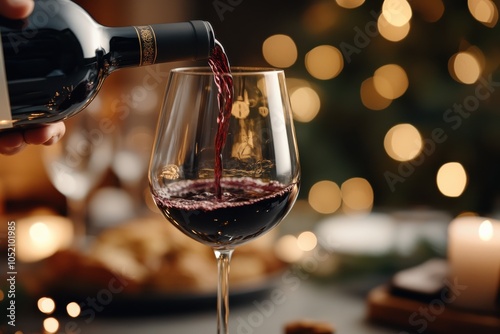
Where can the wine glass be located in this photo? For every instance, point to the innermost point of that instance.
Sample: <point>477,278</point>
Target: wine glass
<point>77,163</point>
<point>133,140</point>
<point>224,181</point>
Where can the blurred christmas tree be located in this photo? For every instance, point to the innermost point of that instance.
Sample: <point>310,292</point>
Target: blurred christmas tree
<point>442,85</point>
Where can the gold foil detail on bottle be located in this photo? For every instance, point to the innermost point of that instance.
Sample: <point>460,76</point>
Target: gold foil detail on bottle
<point>147,43</point>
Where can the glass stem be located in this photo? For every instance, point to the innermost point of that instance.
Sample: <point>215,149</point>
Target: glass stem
<point>223,257</point>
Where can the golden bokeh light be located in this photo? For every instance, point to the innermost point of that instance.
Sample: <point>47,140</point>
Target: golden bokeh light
<point>51,325</point>
<point>324,62</point>
<point>280,51</point>
<point>465,67</point>
<point>307,241</point>
<point>46,305</point>
<point>478,55</point>
<point>390,32</point>
<point>397,12</point>
<point>73,309</point>
<point>305,104</point>
<point>287,249</point>
<point>357,195</point>
<point>403,142</point>
<point>390,81</point>
<point>370,98</point>
<point>40,233</point>
<point>484,11</point>
<point>41,236</point>
<point>429,10</point>
<point>451,179</point>
<point>325,197</point>
<point>350,4</point>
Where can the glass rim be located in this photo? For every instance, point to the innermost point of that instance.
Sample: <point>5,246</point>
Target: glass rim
<point>235,70</point>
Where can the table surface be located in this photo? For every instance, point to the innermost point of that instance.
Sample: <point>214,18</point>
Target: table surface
<point>340,304</point>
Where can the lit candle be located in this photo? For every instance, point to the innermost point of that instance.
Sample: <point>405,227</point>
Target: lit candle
<point>474,258</point>
<point>38,237</point>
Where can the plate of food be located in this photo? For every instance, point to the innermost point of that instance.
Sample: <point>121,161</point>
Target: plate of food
<point>146,266</point>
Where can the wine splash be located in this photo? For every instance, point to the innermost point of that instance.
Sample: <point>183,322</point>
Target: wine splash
<point>221,69</point>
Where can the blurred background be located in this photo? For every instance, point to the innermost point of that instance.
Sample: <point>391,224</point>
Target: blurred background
<point>393,110</point>
<point>395,106</point>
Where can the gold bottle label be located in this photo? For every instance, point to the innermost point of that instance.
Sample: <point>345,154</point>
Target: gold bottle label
<point>147,43</point>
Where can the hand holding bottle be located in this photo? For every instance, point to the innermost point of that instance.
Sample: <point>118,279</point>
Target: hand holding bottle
<point>53,73</point>
<point>13,141</point>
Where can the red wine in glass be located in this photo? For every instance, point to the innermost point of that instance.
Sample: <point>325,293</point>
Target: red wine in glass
<point>247,209</point>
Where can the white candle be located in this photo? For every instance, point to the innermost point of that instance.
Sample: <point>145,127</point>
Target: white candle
<point>474,258</point>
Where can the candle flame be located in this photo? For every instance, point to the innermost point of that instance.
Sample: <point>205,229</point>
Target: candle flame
<point>486,231</point>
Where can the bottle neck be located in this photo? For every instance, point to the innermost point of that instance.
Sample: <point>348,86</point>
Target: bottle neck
<point>159,43</point>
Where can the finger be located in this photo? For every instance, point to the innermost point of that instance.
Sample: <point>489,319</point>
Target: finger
<point>45,134</point>
<point>11,142</point>
<point>16,9</point>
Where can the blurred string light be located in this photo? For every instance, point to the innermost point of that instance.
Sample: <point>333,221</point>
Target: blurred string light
<point>51,325</point>
<point>292,249</point>
<point>390,32</point>
<point>287,249</point>
<point>304,99</point>
<point>403,142</point>
<point>280,51</point>
<point>353,196</point>
<point>73,309</point>
<point>484,11</point>
<point>371,98</point>
<point>325,197</point>
<point>451,179</point>
<point>324,62</point>
<point>307,241</point>
<point>478,55</point>
<point>390,81</point>
<point>46,305</point>
<point>305,104</point>
<point>350,4</point>
<point>397,12</point>
<point>357,195</point>
<point>467,66</point>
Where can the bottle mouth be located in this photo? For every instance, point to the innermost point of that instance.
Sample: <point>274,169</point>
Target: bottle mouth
<point>205,37</point>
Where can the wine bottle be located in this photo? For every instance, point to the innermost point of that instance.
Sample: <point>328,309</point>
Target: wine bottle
<point>53,63</point>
